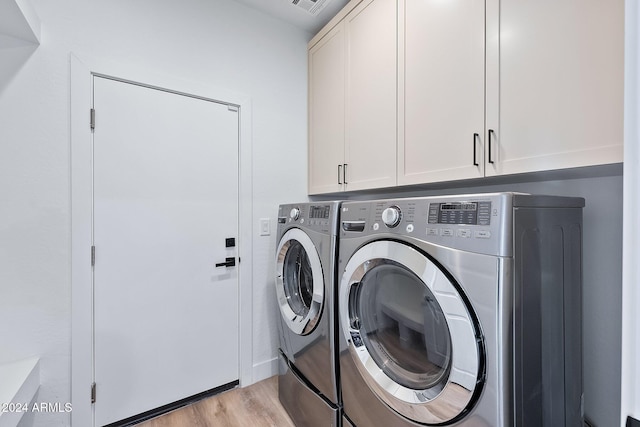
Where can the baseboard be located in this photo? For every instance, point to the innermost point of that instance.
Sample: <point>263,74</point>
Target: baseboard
<point>264,370</point>
<point>137,419</point>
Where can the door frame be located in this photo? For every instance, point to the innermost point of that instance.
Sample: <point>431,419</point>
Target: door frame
<point>82,71</point>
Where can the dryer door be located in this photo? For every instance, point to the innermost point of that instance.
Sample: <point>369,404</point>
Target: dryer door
<point>414,338</point>
<point>299,281</point>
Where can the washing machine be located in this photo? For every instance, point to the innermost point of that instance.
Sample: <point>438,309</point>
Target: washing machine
<point>306,297</point>
<point>461,310</point>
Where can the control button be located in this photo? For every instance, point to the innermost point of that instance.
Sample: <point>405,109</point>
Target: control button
<point>409,228</point>
<point>391,216</point>
<point>433,213</point>
<point>463,232</point>
<point>446,232</point>
<point>376,226</point>
<point>294,214</point>
<point>482,234</point>
<point>432,232</point>
<point>484,213</point>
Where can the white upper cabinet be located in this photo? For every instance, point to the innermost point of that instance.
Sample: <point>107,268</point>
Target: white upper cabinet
<point>441,91</point>
<point>554,84</point>
<point>352,100</point>
<point>463,89</point>
<point>327,113</point>
<point>370,144</point>
<point>18,20</point>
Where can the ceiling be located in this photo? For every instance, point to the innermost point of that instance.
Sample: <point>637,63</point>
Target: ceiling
<point>296,15</point>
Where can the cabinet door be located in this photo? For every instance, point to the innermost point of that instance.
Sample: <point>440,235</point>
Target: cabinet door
<point>327,112</point>
<point>554,84</point>
<point>370,148</point>
<point>441,97</point>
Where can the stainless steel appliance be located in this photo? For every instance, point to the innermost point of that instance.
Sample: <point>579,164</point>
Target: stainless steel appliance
<point>461,310</point>
<point>305,289</point>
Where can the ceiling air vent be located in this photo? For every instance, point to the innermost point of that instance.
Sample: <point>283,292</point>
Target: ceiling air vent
<point>312,6</point>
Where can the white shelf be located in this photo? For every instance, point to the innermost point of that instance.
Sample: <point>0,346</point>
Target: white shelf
<point>19,20</point>
<point>19,382</point>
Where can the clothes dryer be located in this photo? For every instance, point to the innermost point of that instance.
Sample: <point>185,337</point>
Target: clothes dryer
<point>461,310</point>
<point>305,289</point>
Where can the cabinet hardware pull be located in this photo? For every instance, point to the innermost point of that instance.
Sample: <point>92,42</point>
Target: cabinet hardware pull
<point>489,142</point>
<point>339,174</point>
<point>475,161</point>
<point>344,176</point>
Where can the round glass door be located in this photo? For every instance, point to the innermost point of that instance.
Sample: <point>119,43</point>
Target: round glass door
<point>299,281</point>
<point>411,334</point>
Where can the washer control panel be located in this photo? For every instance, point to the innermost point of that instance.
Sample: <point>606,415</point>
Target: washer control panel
<point>467,213</point>
<point>475,223</point>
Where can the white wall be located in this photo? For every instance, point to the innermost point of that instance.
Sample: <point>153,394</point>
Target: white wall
<point>223,44</point>
<point>217,43</point>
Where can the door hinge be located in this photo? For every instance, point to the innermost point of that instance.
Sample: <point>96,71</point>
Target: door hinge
<point>93,392</point>
<point>92,120</point>
<point>93,256</point>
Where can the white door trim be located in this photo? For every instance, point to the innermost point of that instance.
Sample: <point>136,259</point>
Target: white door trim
<point>630,352</point>
<point>82,72</point>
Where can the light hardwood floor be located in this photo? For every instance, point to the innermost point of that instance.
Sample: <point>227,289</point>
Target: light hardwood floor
<point>253,406</point>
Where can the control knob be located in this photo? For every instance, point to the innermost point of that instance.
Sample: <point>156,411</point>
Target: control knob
<point>391,216</point>
<point>294,214</point>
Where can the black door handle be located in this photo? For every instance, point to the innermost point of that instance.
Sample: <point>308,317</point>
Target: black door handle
<point>229,262</point>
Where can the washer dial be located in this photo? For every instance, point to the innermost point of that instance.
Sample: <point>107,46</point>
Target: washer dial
<point>391,216</point>
<point>294,214</point>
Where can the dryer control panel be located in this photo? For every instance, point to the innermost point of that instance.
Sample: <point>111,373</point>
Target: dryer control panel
<point>318,217</point>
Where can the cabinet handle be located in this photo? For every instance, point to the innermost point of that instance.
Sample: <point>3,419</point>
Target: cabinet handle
<point>475,137</point>
<point>339,174</point>
<point>489,142</point>
<point>344,176</point>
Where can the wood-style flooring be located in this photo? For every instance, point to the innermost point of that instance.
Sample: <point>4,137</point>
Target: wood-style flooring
<point>253,406</point>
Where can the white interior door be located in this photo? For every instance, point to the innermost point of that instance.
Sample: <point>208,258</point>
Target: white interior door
<point>165,199</point>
